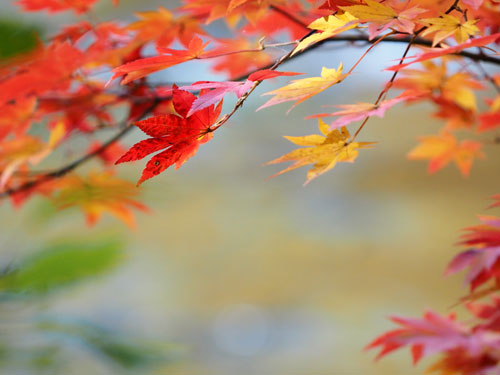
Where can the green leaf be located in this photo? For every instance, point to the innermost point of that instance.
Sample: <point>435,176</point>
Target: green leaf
<point>60,266</point>
<point>128,352</point>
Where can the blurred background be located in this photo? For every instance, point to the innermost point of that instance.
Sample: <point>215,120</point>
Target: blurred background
<point>232,272</point>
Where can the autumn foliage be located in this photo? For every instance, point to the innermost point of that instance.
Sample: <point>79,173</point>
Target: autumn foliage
<point>91,77</point>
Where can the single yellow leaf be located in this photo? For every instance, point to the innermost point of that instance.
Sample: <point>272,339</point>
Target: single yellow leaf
<point>302,89</point>
<point>328,26</point>
<point>326,152</point>
<point>372,11</point>
<point>448,25</point>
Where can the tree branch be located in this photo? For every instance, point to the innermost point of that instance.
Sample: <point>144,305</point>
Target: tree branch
<point>64,170</point>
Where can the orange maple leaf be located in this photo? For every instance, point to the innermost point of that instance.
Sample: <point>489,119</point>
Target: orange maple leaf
<point>143,67</point>
<point>99,193</point>
<point>442,149</point>
<point>236,63</point>
<point>163,27</point>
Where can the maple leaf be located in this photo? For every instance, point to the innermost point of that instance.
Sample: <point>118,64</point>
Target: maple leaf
<point>162,27</point>
<point>485,311</point>
<point>215,91</point>
<point>76,108</point>
<point>179,136</point>
<point>491,119</point>
<point>372,11</point>
<point>432,334</point>
<point>325,152</point>
<point>231,57</point>
<point>72,32</point>
<point>99,193</point>
<point>482,258</point>
<point>302,89</point>
<point>51,70</point>
<point>456,116</point>
<point>334,5</point>
<point>425,80</point>
<point>108,154</point>
<point>52,6</point>
<point>439,52</point>
<point>143,67</point>
<point>383,17</point>
<point>328,26</point>
<point>448,25</point>
<point>26,149</point>
<point>441,149</point>
<point>359,111</point>
<point>434,79</point>
<point>16,116</point>
<point>276,22</point>
<point>231,10</point>
<point>459,88</point>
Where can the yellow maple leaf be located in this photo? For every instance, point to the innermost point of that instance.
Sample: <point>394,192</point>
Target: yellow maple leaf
<point>448,25</point>
<point>434,80</point>
<point>328,26</point>
<point>372,11</point>
<point>460,88</point>
<point>326,151</point>
<point>302,89</point>
<point>383,17</point>
<point>444,148</point>
<point>99,193</point>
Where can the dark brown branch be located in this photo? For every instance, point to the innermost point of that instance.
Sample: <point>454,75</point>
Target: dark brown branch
<point>417,42</point>
<point>60,172</point>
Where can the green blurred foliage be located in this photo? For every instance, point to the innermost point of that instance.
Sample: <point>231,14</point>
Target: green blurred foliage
<point>123,350</point>
<point>32,342</point>
<point>61,265</point>
<point>17,38</point>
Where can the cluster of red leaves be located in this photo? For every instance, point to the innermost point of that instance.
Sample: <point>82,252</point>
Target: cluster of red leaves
<point>59,84</point>
<point>466,348</point>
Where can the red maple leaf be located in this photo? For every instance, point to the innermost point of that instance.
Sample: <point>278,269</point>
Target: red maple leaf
<point>179,136</point>
<point>52,6</point>
<point>482,258</point>
<point>51,70</point>
<point>143,67</point>
<point>432,334</point>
